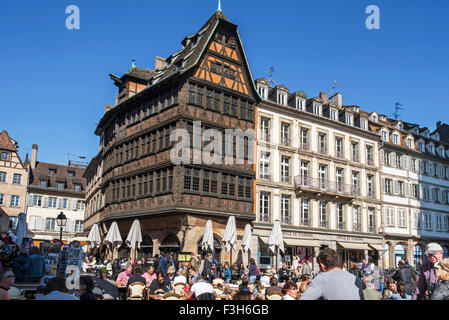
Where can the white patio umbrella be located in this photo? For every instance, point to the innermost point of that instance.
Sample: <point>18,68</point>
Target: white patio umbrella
<point>276,241</point>
<point>134,236</point>
<point>208,237</point>
<point>230,235</point>
<point>94,237</point>
<point>113,238</point>
<point>247,238</point>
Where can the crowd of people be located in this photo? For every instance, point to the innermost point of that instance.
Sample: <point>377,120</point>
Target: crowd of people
<point>333,282</point>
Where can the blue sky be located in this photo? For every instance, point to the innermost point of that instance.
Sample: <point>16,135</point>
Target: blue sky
<point>54,82</point>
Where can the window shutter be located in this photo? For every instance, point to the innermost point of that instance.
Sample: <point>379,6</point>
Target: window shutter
<point>40,223</point>
<point>74,204</point>
<point>406,189</point>
<point>395,187</point>
<point>45,202</point>
<point>72,226</point>
<point>59,203</point>
<point>29,200</point>
<point>382,157</point>
<point>32,224</point>
<point>383,185</point>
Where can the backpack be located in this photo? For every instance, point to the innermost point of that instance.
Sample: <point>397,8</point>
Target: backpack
<point>440,291</point>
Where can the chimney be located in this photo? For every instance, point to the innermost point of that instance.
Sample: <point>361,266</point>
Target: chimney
<point>323,97</point>
<point>33,156</point>
<point>107,108</point>
<point>438,124</point>
<point>159,63</point>
<point>337,99</point>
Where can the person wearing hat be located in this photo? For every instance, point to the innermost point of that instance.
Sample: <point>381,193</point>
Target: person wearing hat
<point>428,275</point>
<point>170,277</point>
<point>441,290</point>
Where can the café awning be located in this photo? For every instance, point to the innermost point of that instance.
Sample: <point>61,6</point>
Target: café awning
<point>302,243</point>
<point>354,246</point>
<point>377,247</point>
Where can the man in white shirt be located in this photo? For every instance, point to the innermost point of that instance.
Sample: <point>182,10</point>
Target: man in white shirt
<point>201,287</point>
<point>181,277</point>
<point>265,279</point>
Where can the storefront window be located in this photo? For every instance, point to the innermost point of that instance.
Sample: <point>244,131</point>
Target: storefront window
<point>417,255</point>
<point>265,256</point>
<point>399,253</point>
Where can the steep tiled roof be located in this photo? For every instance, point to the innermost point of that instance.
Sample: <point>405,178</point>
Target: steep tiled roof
<point>42,172</point>
<point>6,142</point>
<point>140,73</point>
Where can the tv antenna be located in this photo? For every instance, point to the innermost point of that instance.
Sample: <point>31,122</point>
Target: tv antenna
<point>76,163</point>
<point>272,72</point>
<point>397,107</point>
<point>334,86</point>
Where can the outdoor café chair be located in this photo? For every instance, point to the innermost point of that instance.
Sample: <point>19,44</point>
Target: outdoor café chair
<point>274,296</point>
<point>171,296</point>
<point>136,291</point>
<point>179,287</point>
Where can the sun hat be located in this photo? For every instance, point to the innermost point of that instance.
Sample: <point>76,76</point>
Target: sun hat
<point>171,269</point>
<point>433,248</point>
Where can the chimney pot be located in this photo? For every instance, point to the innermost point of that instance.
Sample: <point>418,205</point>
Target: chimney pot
<point>323,97</point>
<point>438,124</point>
<point>33,156</point>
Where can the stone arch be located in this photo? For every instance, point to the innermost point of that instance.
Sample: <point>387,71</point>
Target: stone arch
<point>218,247</point>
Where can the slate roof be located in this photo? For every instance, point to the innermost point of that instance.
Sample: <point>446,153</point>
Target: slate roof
<point>41,172</point>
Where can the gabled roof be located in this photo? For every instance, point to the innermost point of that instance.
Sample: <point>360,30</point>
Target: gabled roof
<point>41,172</point>
<point>6,142</point>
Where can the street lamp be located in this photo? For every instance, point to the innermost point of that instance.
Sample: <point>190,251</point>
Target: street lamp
<point>61,220</point>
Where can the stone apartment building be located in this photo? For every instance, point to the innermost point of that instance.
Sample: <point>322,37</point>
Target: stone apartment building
<point>13,183</point>
<point>55,188</point>
<point>207,80</point>
<point>318,174</point>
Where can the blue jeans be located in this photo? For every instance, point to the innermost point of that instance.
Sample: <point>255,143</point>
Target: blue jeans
<point>252,279</point>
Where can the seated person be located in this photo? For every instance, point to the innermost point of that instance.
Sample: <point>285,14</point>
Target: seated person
<point>181,277</point>
<point>202,290</point>
<point>274,287</point>
<point>136,275</point>
<point>158,285</point>
<point>150,275</point>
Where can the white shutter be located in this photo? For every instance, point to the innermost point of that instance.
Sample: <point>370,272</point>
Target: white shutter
<point>33,223</point>
<point>72,226</point>
<point>40,223</point>
<point>383,185</point>
<point>406,189</point>
<point>59,203</point>
<point>45,201</point>
<point>74,204</point>
<point>382,157</point>
<point>395,187</point>
<point>29,200</point>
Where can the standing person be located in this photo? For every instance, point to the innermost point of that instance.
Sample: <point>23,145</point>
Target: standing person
<point>365,268</point>
<point>234,272</point>
<point>295,262</point>
<point>156,262</point>
<point>200,261</point>
<point>290,291</point>
<point>6,281</point>
<point>441,290</point>
<point>355,270</point>
<point>20,265</point>
<point>207,269</point>
<point>56,289</point>
<point>150,275</point>
<point>332,283</point>
<point>427,276</point>
<point>193,261</point>
<point>162,264</point>
<point>227,272</point>
<point>306,269</point>
<point>115,269</point>
<point>253,271</point>
<point>401,293</point>
<point>405,276</point>
<point>36,270</point>
<point>87,285</point>
<point>369,292</point>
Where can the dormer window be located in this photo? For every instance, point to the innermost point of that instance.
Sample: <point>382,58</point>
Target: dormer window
<point>384,135</point>
<point>51,171</point>
<point>71,173</point>
<point>436,137</point>
<point>395,138</point>
<point>409,142</point>
<point>282,98</point>
<point>421,146</point>
<point>262,91</point>
<point>374,117</point>
<point>43,184</point>
<point>349,119</point>
<point>317,109</point>
<point>431,148</point>
<point>333,114</point>
<point>300,104</point>
<point>364,124</point>
<point>440,151</point>
<point>77,187</point>
<point>4,156</point>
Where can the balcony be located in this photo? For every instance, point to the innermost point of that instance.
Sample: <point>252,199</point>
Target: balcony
<point>372,229</point>
<point>355,157</point>
<point>324,224</point>
<point>356,227</point>
<point>322,151</point>
<point>304,146</point>
<point>332,188</point>
<point>305,222</point>
<point>285,179</point>
<point>265,136</point>
<point>285,220</point>
<point>370,162</point>
<point>285,141</point>
<point>371,194</point>
<point>341,225</point>
<point>339,155</point>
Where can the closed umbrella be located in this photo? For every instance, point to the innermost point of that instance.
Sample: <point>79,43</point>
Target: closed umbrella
<point>94,237</point>
<point>113,238</point>
<point>276,241</point>
<point>21,229</point>
<point>208,237</point>
<point>247,238</point>
<point>134,236</point>
<point>230,235</point>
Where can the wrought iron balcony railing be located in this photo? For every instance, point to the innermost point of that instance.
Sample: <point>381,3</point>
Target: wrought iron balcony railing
<point>356,227</point>
<point>285,220</point>
<point>370,162</point>
<point>265,136</point>
<point>304,146</point>
<point>285,141</point>
<point>325,186</point>
<point>339,154</point>
<point>324,223</point>
<point>305,222</point>
<point>341,225</point>
<point>372,229</point>
<point>285,179</point>
<point>322,151</point>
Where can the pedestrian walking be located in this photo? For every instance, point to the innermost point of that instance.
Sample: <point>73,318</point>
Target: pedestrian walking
<point>427,276</point>
<point>332,283</point>
<point>253,270</point>
<point>404,275</point>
